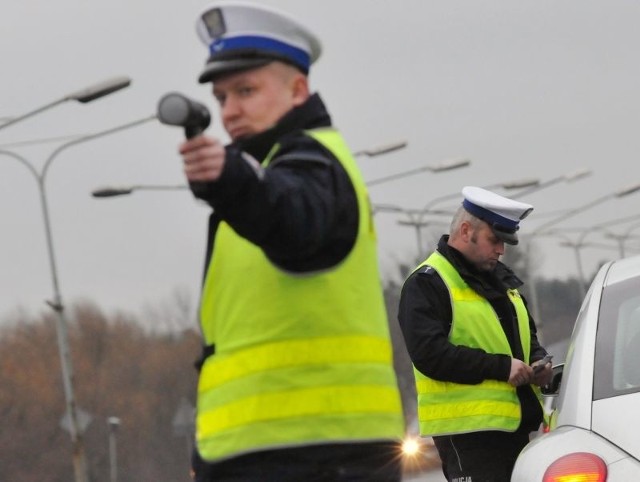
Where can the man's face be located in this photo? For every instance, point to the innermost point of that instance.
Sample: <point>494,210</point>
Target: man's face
<point>253,101</point>
<point>484,248</point>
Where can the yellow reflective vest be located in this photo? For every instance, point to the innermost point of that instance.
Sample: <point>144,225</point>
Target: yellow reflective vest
<point>446,408</point>
<point>299,358</point>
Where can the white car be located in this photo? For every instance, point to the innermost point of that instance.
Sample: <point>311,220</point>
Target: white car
<point>595,396</point>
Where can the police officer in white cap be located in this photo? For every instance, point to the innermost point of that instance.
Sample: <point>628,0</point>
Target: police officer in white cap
<point>473,343</point>
<point>296,380</point>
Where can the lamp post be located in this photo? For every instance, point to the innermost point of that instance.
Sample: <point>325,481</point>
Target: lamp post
<point>566,242</point>
<point>580,242</point>
<point>571,212</point>
<point>569,177</point>
<point>43,140</point>
<point>381,149</point>
<point>83,96</point>
<point>112,191</point>
<point>56,304</point>
<point>113,424</point>
<point>416,215</point>
<point>412,214</point>
<point>623,238</point>
<point>576,246</point>
<point>418,224</point>
<point>184,423</point>
<point>440,167</point>
<point>619,238</point>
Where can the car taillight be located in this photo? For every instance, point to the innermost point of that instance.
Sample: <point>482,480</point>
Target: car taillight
<point>578,467</point>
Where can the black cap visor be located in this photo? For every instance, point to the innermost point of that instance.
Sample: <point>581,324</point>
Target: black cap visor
<point>509,237</point>
<point>217,68</point>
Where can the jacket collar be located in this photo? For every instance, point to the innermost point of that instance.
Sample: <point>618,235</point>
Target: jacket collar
<point>310,115</point>
<point>501,278</point>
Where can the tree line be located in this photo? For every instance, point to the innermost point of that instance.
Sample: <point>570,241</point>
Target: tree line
<point>120,370</point>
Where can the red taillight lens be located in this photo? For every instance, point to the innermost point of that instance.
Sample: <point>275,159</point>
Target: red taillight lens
<point>578,467</point>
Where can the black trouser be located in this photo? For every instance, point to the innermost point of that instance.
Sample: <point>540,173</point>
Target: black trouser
<point>353,462</point>
<point>480,456</point>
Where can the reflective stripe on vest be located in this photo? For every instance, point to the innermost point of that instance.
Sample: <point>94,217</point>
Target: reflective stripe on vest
<point>300,358</point>
<point>450,408</point>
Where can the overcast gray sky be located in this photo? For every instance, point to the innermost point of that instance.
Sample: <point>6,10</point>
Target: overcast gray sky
<point>526,89</point>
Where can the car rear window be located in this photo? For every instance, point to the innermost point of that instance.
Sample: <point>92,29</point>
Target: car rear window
<point>617,357</point>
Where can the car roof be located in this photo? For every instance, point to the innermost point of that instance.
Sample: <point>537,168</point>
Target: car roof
<point>622,270</point>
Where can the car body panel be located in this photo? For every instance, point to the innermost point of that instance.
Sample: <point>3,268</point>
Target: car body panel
<point>597,407</point>
<point>576,409</point>
<point>617,419</point>
<point>541,452</point>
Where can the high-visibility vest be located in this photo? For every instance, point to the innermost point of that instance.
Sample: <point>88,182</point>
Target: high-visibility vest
<point>446,408</point>
<point>299,358</point>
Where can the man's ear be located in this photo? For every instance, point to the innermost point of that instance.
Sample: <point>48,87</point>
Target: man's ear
<point>300,89</point>
<point>466,231</point>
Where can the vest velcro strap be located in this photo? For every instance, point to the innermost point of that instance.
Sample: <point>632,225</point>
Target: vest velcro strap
<point>207,351</point>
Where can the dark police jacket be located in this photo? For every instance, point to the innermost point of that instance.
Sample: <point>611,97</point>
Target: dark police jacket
<point>302,210</point>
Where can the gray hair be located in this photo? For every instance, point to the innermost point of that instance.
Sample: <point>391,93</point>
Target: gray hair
<point>461,216</point>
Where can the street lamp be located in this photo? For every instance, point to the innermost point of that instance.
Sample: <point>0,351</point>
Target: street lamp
<point>623,238</point>
<point>576,246</point>
<point>569,177</point>
<point>42,140</point>
<point>580,242</point>
<point>412,214</point>
<point>572,212</point>
<point>112,191</point>
<point>619,238</point>
<point>540,230</point>
<point>567,242</point>
<point>113,423</point>
<point>418,224</point>
<point>79,462</point>
<point>440,167</point>
<point>83,96</point>
<point>381,149</point>
<point>184,423</point>
<point>414,218</point>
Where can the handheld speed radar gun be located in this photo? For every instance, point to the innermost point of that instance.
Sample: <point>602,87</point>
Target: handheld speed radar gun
<point>178,110</point>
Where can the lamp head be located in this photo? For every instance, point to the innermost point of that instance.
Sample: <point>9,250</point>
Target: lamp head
<point>100,90</point>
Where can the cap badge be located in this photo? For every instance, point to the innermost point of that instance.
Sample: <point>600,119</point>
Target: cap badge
<point>217,45</point>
